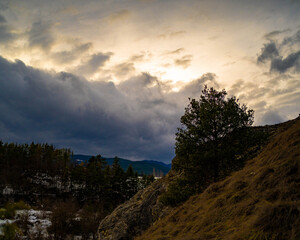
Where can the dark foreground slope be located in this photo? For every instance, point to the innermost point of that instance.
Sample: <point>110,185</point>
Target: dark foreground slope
<point>261,201</point>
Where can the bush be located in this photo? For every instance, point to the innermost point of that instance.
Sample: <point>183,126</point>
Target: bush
<point>178,191</point>
<point>63,220</point>
<point>8,212</point>
<point>10,232</point>
<point>2,213</point>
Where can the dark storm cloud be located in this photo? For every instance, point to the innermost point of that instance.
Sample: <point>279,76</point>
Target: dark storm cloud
<point>70,56</point>
<point>93,63</point>
<point>135,119</point>
<point>274,53</point>
<point>282,65</point>
<point>292,39</point>
<point>268,52</point>
<point>144,88</point>
<point>41,35</point>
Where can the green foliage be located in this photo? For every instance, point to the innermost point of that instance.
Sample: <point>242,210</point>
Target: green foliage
<point>178,191</point>
<point>206,123</point>
<point>85,192</point>
<point>17,160</point>
<point>10,232</point>
<point>8,212</point>
<point>147,179</point>
<point>210,143</point>
<point>116,170</point>
<point>46,171</point>
<point>130,172</point>
<point>20,205</point>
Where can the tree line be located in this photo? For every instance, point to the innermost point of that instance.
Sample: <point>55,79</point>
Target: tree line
<point>91,181</point>
<point>89,190</point>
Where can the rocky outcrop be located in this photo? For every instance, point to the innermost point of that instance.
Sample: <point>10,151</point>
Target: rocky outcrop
<point>135,215</point>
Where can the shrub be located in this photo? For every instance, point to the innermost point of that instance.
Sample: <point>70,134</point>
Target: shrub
<point>10,232</point>
<point>10,208</point>
<point>178,191</point>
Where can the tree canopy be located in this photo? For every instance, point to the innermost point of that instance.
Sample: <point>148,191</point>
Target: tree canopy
<point>207,122</point>
<point>210,139</point>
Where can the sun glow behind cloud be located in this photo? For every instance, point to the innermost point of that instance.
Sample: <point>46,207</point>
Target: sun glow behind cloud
<point>177,74</point>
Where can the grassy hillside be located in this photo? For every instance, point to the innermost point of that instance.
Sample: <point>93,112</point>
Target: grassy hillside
<point>261,201</point>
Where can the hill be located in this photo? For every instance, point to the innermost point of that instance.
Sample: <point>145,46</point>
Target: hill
<point>260,201</point>
<point>142,167</point>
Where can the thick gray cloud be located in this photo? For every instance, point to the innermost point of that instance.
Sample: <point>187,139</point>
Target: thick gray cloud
<point>41,35</point>
<point>282,65</point>
<point>134,120</point>
<point>92,63</point>
<point>137,118</point>
<point>283,56</point>
<point>292,39</point>
<point>268,52</point>
<point>195,87</point>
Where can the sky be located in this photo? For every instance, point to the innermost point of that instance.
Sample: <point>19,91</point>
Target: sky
<point>113,77</point>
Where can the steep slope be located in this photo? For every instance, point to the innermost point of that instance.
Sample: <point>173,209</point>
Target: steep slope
<point>261,201</point>
<point>136,215</point>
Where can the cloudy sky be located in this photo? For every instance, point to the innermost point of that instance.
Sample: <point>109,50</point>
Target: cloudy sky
<point>114,76</point>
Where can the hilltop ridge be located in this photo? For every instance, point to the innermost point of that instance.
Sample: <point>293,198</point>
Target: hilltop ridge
<point>260,201</point>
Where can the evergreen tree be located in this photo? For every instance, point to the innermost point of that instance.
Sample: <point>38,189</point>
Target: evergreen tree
<point>130,172</point>
<point>208,143</point>
<point>206,123</point>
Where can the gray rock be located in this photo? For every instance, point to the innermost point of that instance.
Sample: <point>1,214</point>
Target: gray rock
<point>136,215</point>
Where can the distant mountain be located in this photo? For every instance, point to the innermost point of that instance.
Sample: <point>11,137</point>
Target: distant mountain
<point>142,167</point>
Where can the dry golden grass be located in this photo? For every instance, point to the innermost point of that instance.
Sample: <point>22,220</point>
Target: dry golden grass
<point>259,202</point>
